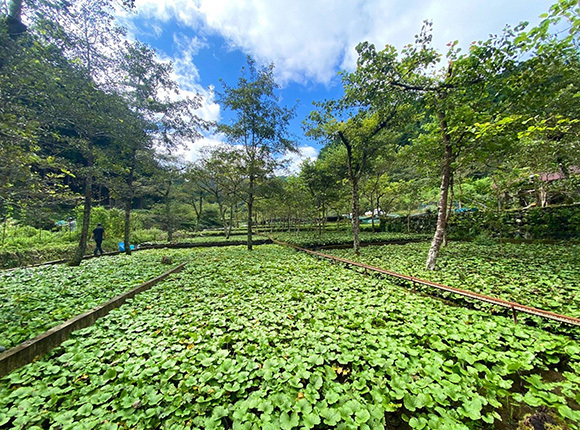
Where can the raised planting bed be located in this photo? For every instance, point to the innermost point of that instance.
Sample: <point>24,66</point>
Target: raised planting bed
<point>543,276</point>
<point>275,339</point>
<point>32,349</point>
<point>312,240</point>
<point>33,300</point>
<point>206,242</point>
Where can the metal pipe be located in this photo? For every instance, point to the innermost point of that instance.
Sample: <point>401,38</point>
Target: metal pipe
<point>514,306</point>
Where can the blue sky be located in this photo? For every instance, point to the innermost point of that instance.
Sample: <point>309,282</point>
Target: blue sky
<point>309,41</point>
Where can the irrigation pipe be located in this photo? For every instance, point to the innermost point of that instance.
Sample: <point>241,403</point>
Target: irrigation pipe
<point>514,306</point>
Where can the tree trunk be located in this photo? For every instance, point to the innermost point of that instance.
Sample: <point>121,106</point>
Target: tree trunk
<point>449,208</point>
<point>4,228</point>
<point>168,213</point>
<point>223,217</point>
<point>372,214</point>
<point>198,212</point>
<point>250,209</point>
<point>128,203</point>
<point>80,251</point>
<point>355,217</point>
<point>14,19</point>
<point>542,197</point>
<point>319,220</point>
<point>377,210</point>
<point>444,190</point>
<point>229,231</point>
<point>127,232</point>
<point>353,178</point>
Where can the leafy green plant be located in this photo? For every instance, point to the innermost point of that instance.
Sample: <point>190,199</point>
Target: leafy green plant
<point>311,239</point>
<point>543,276</point>
<point>36,299</point>
<point>275,339</point>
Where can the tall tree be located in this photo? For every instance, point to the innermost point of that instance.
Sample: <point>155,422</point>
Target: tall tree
<point>85,32</point>
<point>321,180</point>
<point>361,139</point>
<point>218,174</point>
<point>456,96</point>
<point>260,126</point>
<point>165,118</point>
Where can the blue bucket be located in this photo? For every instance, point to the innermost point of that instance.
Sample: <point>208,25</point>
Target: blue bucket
<point>122,247</point>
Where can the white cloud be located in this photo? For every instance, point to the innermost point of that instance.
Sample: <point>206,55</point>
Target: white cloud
<point>294,160</point>
<point>194,150</point>
<point>291,160</point>
<point>186,74</point>
<point>309,40</point>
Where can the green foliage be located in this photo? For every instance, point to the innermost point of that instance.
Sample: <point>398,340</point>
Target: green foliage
<point>483,238</point>
<point>113,220</point>
<point>554,222</point>
<point>310,239</point>
<point>542,276</point>
<point>16,256</point>
<point>149,235</point>
<point>210,240</point>
<point>36,299</point>
<point>278,340</point>
<point>260,123</point>
<point>26,245</point>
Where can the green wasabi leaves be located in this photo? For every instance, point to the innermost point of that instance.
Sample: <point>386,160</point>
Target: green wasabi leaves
<point>226,344</point>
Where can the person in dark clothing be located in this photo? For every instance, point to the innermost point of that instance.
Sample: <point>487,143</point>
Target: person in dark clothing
<point>98,235</point>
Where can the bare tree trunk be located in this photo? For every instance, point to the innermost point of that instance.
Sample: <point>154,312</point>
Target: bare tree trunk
<point>223,217</point>
<point>168,219</point>
<point>127,231</point>
<point>354,178</point>
<point>80,251</point>
<point>449,208</point>
<point>320,212</point>
<point>378,210</point>
<point>198,213</point>
<point>229,230</point>
<point>542,197</point>
<point>4,228</point>
<point>250,211</point>
<point>444,190</point>
<point>372,213</point>
<point>355,217</point>
<point>128,203</point>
